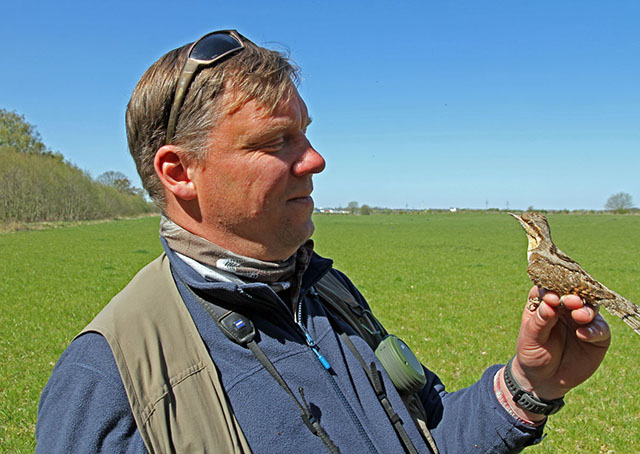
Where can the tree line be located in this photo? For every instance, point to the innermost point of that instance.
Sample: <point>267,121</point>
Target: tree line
<point>620,203</point>
<point>37,184</point>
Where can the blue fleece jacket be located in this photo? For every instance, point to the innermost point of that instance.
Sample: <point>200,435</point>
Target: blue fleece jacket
<point>84,406</point>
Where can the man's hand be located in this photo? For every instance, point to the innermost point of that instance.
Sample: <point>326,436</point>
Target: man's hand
<point>561,344</point>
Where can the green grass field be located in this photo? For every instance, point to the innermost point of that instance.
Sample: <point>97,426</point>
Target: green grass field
<point>451,285</point>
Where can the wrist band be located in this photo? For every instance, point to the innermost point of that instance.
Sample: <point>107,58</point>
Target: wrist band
<point>509,407</point>
<point>526,399</point>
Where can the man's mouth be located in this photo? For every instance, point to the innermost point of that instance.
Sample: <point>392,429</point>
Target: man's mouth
<point>304,199</point>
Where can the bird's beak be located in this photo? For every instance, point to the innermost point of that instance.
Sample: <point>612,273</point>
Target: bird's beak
<point>531,234</point>
<point>521,221</point>
<point>517,217</point>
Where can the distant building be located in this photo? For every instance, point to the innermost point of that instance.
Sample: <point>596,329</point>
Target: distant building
<point>330,211</point>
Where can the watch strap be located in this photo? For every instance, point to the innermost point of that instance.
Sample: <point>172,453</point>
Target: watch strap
<point>526,399</point>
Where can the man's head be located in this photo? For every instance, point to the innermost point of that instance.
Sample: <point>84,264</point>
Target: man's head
<point>254,73</point>
<point>238,168</point>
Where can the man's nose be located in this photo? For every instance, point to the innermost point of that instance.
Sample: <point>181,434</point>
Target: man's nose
<point>309,163</point>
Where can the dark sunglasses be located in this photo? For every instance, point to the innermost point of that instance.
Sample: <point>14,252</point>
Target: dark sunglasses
<point>206,51</point>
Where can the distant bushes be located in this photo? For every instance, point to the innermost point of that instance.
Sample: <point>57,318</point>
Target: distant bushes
<point>37,188</point>
<point>38,185</point>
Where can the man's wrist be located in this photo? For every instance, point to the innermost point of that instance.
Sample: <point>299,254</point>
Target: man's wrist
<point>505,398</point>
<point>526,398</point>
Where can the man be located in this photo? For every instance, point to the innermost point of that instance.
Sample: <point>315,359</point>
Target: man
<point>218,133</point>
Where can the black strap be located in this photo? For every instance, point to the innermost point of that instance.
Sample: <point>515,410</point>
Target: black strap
<point>239,328</point>
<point>342,304</point>
<point>340,300</point>
<point>375,379</point>
<point>305,411</point>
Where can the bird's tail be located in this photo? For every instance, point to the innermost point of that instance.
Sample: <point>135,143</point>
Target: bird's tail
<point>629,312</point>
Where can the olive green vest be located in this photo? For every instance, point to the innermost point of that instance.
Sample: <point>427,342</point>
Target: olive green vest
<point>172,385</point>
<point>174,390</point>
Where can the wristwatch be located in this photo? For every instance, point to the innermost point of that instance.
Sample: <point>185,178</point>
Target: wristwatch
<point>526,399</point>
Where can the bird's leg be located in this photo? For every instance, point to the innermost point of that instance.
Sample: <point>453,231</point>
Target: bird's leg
<point>533,303</point>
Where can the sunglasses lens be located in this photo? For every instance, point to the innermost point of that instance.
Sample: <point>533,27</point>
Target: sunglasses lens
<point>205,52</point>
<point>214,45</point>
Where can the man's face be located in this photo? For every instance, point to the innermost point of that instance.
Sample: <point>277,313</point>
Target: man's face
<point>254,186</point>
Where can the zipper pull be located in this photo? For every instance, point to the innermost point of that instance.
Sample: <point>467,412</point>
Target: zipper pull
<point>314,347</point>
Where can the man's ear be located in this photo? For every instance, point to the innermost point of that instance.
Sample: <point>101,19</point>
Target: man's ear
<point>173,172</point>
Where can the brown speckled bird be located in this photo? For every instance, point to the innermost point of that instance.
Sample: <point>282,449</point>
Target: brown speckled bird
<point>552,269</point>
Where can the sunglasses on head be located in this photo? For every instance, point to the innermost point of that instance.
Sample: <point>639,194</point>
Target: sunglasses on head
<point>206,51</point>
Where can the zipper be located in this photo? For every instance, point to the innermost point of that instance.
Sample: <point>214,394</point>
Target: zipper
<point>316,350</point>
<point>332,380</point>
<point>297,323</point>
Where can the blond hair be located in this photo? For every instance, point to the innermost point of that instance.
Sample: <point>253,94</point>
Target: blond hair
<point>255,73</point>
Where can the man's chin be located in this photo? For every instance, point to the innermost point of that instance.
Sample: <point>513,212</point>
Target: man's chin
<point>297,237</point>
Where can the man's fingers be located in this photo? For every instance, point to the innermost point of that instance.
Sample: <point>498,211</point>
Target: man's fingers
<point>583,315</point>
<point>542,309</point>
<point>572,302</point>
<point>568,301</point>
<point>551,298</point>
<point>542,313</point>
<point>546,313</point>
<point>596,332</point>
<point>539,324</point>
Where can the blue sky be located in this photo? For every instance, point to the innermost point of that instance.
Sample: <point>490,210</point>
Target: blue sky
<point>417,103</point>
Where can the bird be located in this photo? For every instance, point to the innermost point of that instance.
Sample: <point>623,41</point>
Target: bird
<point>552,269</point>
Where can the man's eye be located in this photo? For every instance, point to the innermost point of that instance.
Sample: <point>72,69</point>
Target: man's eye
<point>275,145</point>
